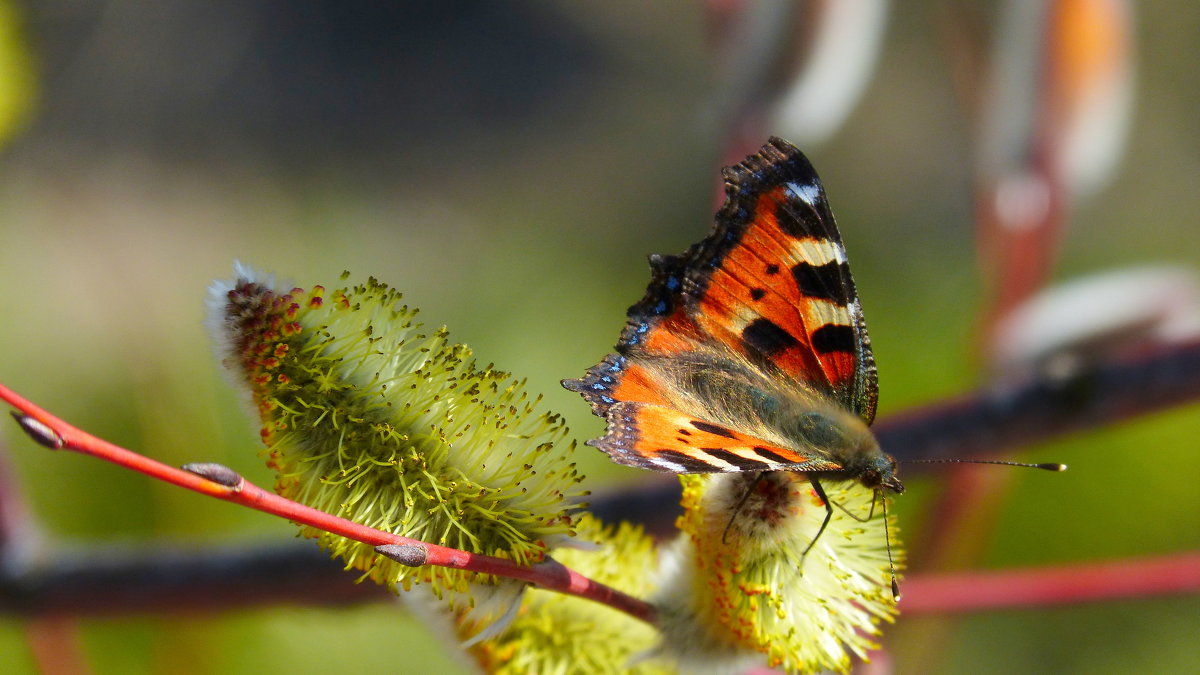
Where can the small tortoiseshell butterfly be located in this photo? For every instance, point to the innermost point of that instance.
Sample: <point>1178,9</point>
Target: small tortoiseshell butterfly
<point>749,351</point>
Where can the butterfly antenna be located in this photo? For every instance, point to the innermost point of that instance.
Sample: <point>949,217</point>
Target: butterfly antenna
<point>1050,466</point>
<point>741,502</point>
<point>887,538</point>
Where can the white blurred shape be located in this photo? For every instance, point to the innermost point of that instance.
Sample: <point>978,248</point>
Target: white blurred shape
<point>1098,314</point>
<point>1022,201</point>
<point>1010,104</point>
<point>840,53</point>
<point>1096,66</point>
<point>1062,82</point>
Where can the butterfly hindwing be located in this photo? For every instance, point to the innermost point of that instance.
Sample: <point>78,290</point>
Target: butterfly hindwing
<point>657,325</point>
<point>616,379</point>
<point>663,439</point>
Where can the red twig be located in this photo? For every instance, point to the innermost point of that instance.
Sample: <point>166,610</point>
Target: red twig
<point>1047,586</point>
<point>114,582</point>
<point>223,483</point>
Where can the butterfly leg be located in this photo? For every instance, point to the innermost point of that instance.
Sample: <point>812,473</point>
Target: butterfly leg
<point>828,511</point>
<point>860,518</point>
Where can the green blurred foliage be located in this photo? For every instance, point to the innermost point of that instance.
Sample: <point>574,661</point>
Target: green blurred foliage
<point>528,237</point>
<point>18,88</point>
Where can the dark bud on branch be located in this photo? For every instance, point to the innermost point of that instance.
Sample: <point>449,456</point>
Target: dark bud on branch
<point>39,431</point>
<point>405,554</point>
<point>217,473</point>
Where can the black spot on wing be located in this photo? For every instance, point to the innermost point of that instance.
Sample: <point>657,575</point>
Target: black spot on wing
<point>825,282</point>
<point>742,463</point>
<point>766,337</point>
<point>757,293</point>
<point>691,464</point>
<point>834,337</point>
<point>770,456</point>
<point>779,462</point>
<point>804,211</point>
<point>775,165</point>
<point>712,429</point>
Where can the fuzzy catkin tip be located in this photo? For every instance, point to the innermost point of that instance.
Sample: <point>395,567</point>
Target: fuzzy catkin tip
<point>746,586</point>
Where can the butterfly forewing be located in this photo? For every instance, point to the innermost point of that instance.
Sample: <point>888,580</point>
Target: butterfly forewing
<point>773,280</point>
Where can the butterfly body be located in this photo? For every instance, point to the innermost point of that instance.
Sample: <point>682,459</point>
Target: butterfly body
<point>749,351</point>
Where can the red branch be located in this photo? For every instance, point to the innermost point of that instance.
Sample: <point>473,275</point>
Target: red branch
<point>1046,586</point>
<point>231,487</point>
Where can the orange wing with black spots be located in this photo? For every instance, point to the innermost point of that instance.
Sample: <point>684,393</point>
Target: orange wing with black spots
<point>659,438</point>
<point>767,294</point>
<point>772,280</point>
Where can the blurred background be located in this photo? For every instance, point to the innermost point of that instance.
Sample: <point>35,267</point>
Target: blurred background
<point>509,166</point>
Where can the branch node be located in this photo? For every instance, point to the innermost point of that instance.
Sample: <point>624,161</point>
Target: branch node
<point>217,473</point>
<point>412,555</point>
<point>38,431</point>
<point>554,572</point>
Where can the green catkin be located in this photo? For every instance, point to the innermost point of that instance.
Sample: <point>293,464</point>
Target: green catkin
<point>368,416</point>
<point>556,633</point>
<point>749,588</point>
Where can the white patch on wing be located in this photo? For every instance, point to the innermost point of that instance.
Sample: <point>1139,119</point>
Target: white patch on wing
<point>667,464</point>
<point>719,463</point>
<point>743,317</point>
<point>809,193</point>
<point>827,312</point>
<point>818,252</point>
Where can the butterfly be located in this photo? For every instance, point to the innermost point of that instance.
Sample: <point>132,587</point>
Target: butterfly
<point>749,351</point>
